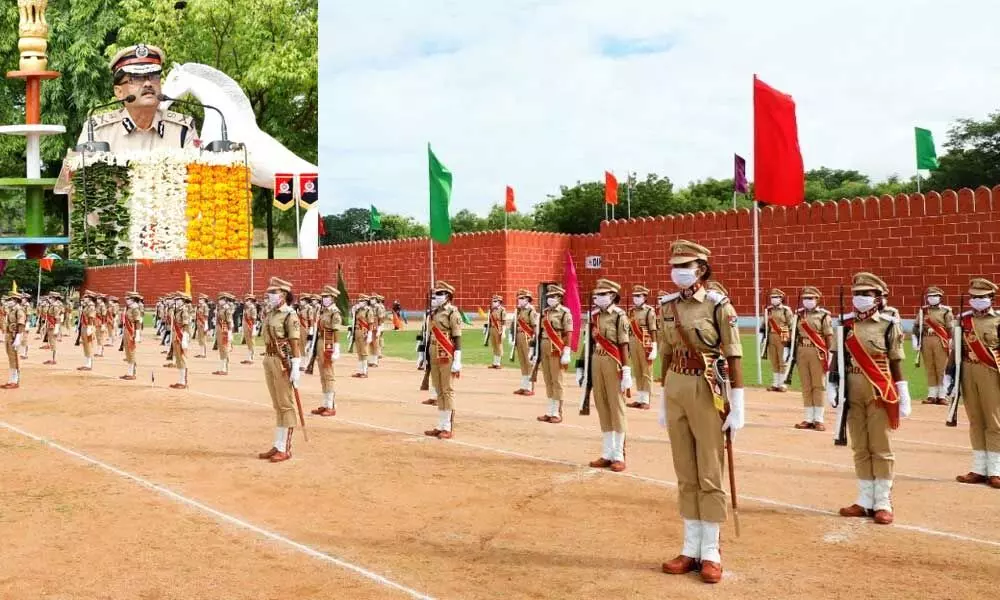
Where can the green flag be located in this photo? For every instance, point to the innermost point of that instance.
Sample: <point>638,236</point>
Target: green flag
<point>375,220</point>
<point>342,302</point>
<point>465,317</point>
<point>926,155</point>
<point>440,197</point>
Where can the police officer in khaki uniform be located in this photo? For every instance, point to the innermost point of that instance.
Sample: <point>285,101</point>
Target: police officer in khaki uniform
<point>132,331</point>
<point>700,333</point>
<point>224,330</point>
<point>525,321</point>
<point>364,332</point>
<point>201,325</point>
<point>497,321</point>
<point>55,317</point>
<point>813,342</point>
<point>88,329</point>
<point>249,326</point>
<point>328,338</point>
<point>612,376</point>
<point>980,381</point>
<point>557,327</point>
<point>42,310</point>
<point>876,391</point>
<point>644,347</point>
<point>778,320</point>
<point>140,125</point>
<point>181,336</point>
<point>932,340</point>
<point>15,330</point>
<point>662,297</point>
<point>101,324</point>
<point>378,316</point>
<point>446,355</point>
<point>282,359</point>
<point>382,315</point>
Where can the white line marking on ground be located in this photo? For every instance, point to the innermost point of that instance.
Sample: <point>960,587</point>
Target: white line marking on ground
<point>375,577</point>
<point>660,482</point>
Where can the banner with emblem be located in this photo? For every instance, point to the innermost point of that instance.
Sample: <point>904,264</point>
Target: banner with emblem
<point>284,198</point>
<point>308,189</point>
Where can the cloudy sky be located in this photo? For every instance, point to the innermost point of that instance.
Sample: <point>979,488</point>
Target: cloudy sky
<point>539,93</point>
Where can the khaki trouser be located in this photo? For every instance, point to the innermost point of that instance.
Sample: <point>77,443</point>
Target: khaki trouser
<point>642,371</point>
<point>248,335</point>
<point>552,372</point>
<point>868,427</point>
<point>129,349</point>
<point>441,379</point>
<point>88,343</point>
<point>223,343</point>
<point>812,376</point>
<point>326,375</point>
<point>200,335</point>
<point>179,353</point>
<point>50,337</point>
<point>282,394</point>
<point>373,347</point>
<point>522,353</point>
<point>981,394</point>
<point>697,445</point>
<point>607,394</point>
<point>99,329</point>
<point>496,341</point>
<point>381,344</point>
<point>12,351</point>
<point>934,357</point>
<point>776,352</point>
<point>361,343</point>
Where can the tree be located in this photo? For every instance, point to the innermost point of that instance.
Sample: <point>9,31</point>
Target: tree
<point>580,209</point>
<point>515,220</point>
<point>465,221</point>
<point>64,274</point>
<point>397,227</point>
<point>972,157</point>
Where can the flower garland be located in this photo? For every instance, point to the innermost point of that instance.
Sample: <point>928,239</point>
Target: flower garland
<point>218,208</point>
<point>158,198</point>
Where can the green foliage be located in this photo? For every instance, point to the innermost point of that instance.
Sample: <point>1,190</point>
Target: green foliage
<point>515,220</point>
<point>973,155</point>
<point>465,221</point>
<point>580,209</point>
<point>397,227</point>
<point>64,274</point>
<point>102,190</point>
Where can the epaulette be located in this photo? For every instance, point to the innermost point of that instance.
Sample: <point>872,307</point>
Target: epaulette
<point>891,313</point>
<point>672,297</point>
<point>178,118</point>
<point>967,313</point>
<point>848,317</point>
<point>946,308</point>
<point>108,118</point>
<point>717,298</point>
<point>616,308</point>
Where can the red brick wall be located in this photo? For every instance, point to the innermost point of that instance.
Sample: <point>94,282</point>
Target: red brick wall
<point>910,241</point>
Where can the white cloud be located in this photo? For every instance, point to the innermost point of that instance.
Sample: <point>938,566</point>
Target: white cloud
<point>518,92</point>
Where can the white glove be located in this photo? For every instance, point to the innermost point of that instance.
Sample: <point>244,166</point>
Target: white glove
<point>626,378</point>
<point>946,383</point>
<point>138,337</point>
<point>916,344</point>
<point>903,388</point>
<point>663,408</point>
<point>368,338</point>
<point>295,374</point>
<point>336,351</point>
<point>456,365</point>
<point>831,395</point>
<point>564,360</point>
<point>654,353</point>
<point>90,330</point>
<point>786,354</point>
<point>184,341</point>
<point>17,340</point>
<point>579,377</point>
<point>378,330</point>
<point>57,330</point>
<point>205,328</point>
<point>735,420</point>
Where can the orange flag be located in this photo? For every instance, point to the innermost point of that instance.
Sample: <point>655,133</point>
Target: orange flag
<point>144,261</point>
<point>610,189</point>
<point>46,263</point>
<point>510,200</point>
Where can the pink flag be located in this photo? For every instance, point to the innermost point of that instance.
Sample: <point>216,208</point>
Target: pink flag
<point>573,299</point>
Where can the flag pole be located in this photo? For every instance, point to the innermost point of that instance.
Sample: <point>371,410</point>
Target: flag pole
<point>430,241</point>
<point>251,273</point>
<point>734,199</point>
<point>628,193</point>
<point>295,198</point>
<point>756,281</point>
<point>38,292</point>
<point>135,276</point>
<point>918,181</point>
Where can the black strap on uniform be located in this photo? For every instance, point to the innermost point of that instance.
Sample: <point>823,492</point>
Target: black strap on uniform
<point>184,131</point>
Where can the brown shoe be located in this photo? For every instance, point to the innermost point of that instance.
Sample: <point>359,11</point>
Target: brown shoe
<point>528,393</point>
<point>433,432</point>
<point>199,356</point>
<point>360,376</point>
<point>618,466</point>
<point>804,425</point>
<point>600,463</point>
<point>83,369</point>
<point>773,389</point>
<point>711,572</point>
<point>328,412</point>
<point>268,454</point>
<point>179,386</point>
<point>819,426</point>
<point>246,362</point>
<point>555,420</point>
<point>317,411</point>
<point>168,365</point>
<point>634,405</point>
<point>942,401</point>
<point>883,517</point>
<point>643,406</point>
<point>493,367</point>
<point>49,362</point>
<point>930,401</point>
<point>681,565</point>
<point>219,373</point>
<point>518,392</point>
<point>994,482</point>
<point>281,457</point>
<point>445,435</point>
<point>544,418</point>
<point>854,510</point>
<point>128,377</point>
<point>10,386</point>
<point>971,477</point>
<point>430,401</point>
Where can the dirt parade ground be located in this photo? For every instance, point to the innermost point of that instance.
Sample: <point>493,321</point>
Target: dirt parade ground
<point>129,489</point>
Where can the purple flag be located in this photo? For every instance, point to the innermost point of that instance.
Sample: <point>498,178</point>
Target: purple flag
<point>740,175</point>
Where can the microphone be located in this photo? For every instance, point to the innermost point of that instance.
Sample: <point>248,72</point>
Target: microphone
<point>90,145</point>
<point>223,145</point>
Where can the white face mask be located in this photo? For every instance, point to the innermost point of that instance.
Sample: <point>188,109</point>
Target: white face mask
<point>863,303</point>
<point>638,300</point>
<point>776,301</point>
<point>437,300</point>
<point>552,302</point>
<point>179,303</point>
<point>274,298</point>
<point>603,300</point>
<point>809,304</point>
<point>327,301</point>
<point>933,300</point>
<point>373,302</point>
<point>522,302</point>
<point>980,304</point>
<point>684,278</point>
<point>662,299</point>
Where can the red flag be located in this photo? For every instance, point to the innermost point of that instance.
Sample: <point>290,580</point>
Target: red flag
<point>572,299</point>
<point>778,173</point>
<point>610,189</point>
<point>510,201</point>
<point>322,226</point>
<point>46,263</point>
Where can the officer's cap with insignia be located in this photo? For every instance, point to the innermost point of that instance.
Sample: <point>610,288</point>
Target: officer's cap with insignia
<point>137,60</point>
<point>934,291</point>
<point>523,293</point>
<point>278,285</point>
<point>640,290</point>
<point>810,292</point>
<point>497,298</point>
<point>982,287</point>
<point>329,290</point>
<point>249,297</point>
<point>444,286</point>
<point>362,297</point>
<point>867,282</point>
<point>683,251</point>
<point>555,290</point>
<point>606,286</point>
<point>776,293</point>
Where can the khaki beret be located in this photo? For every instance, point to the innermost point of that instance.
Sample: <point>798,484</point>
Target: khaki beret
<point>281,285</point>
<point>604,286</point>
<point>683,251</point>
<point>138,59</point>
<point>982,287</point>
<point>810,291</point>
<point>329,290</point>
<point>934,291</point>
<point>866,282</point>
<point>555,290</point>
<point>640,289</point>
<point>444,286</point>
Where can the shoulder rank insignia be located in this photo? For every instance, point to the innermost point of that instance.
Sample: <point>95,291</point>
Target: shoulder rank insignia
<point>128,124</point>
<point>160,128</point>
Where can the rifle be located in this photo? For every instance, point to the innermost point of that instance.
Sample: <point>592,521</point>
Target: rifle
<point>79,328</point>
<point>425,384</point>
<point>791,349</point>
<point>956,371</point>
<point>586,364</point>
<point>486,331</point>
<point>312,357</point>
<point>723,383</point>
<point>536,346</point>
<point>513,336</point>
<point>918,331</point>
<point>763,333</point>
<point>351,333</point>
<point>841,379</point>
